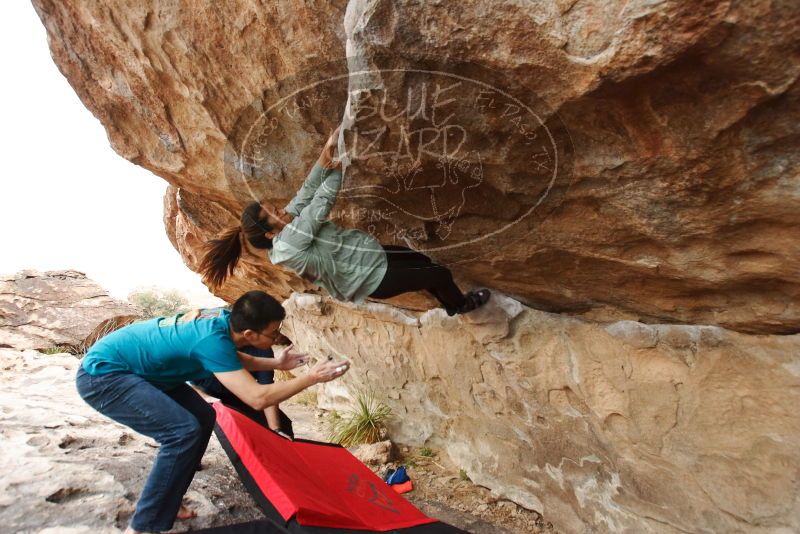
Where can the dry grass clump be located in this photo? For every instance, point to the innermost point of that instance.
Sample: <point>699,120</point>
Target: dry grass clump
<point>58,349</point>
<point>102,330</point>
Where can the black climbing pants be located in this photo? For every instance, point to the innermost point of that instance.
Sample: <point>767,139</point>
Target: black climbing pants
<point>408,270</point>
<point>230,400</point>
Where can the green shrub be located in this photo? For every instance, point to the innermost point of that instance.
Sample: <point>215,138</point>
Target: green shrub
<point>426,452</point>
<point>158,303</point>
<point>57,349</point>
<point>366,423</point>
<point>463,475</point>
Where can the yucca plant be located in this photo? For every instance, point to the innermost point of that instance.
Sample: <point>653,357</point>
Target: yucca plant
<point>365,423</point>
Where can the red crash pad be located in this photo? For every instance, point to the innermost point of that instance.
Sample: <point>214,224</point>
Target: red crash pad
<point>318,484</point>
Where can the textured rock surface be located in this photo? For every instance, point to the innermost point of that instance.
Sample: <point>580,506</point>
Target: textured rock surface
<point>375,454</point>
<point>673,199</point>
<point>628,427</point>
<point>66,468</point>
<point>678,190</point>
<point>684,119</point>
<point>41,310</point>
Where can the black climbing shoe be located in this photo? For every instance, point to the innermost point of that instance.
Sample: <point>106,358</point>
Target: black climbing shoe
<point>475,299</point>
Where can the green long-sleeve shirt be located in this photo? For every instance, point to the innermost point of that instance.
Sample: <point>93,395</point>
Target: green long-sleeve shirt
<point>348,263</point>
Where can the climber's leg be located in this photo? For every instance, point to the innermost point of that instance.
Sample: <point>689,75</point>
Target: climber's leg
<point>409,271</point>
<point>397,254</point>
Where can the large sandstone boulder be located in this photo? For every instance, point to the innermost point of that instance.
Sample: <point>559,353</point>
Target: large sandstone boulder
<point>618,160</point>
<point>624,427</point>
<point>42,310</point>
<point>630,164</point>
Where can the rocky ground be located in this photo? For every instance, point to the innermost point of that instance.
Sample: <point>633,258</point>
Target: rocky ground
<point>630,168</point>
<point>64,468</point>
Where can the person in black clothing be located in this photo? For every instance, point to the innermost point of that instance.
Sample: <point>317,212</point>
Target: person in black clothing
<point>272,417</point>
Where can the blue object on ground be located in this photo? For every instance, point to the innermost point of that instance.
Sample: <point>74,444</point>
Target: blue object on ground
<point>388,473</point>
<point>398,477</point>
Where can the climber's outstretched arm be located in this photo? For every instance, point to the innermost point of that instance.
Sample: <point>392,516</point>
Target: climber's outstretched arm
<point>316,176</point>
<point>300,233</point>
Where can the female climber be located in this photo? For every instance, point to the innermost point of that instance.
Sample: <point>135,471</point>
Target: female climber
<point>351,265</point>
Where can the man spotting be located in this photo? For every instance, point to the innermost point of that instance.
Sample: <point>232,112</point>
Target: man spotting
<point>137,376</point>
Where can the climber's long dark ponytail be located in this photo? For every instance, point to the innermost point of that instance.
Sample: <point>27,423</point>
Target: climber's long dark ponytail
<point>222,254</point>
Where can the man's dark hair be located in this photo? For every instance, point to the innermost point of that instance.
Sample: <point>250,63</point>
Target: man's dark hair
<point>254,311</point>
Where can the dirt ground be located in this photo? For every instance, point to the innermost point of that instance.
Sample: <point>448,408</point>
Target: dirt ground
<point>440,490</point>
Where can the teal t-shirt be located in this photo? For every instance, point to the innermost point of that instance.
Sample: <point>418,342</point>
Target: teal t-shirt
<point>168,350</point>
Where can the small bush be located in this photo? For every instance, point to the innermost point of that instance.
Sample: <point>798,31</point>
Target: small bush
<point>463,475</point>
<point>366,423</point>
<point>159,303</point>
<point>58,349</point>
<point>425,452</point>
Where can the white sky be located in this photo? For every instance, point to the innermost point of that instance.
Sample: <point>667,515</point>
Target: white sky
<point>67,200</point>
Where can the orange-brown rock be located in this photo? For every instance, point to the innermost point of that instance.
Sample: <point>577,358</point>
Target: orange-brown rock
<point>631,163</point>
<point>675,126</point>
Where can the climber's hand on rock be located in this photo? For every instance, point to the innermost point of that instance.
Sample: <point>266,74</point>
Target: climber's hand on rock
<point>327,158</point>
<point>327,370</point>
<point>286,360</point>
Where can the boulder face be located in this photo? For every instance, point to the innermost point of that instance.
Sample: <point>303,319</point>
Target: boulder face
<point>679,155</point>
<point>42,310</point>
<point>625,427</point>
<point>628,160</point>
<point>629,165</point>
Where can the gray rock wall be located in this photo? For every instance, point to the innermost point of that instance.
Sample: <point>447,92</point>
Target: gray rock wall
<point>623,427</point>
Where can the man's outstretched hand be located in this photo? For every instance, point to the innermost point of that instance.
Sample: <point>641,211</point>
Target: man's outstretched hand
<point>287,360</point>
<point>327,370</point>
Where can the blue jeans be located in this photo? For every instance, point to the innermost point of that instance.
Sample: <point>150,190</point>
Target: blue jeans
<point>178,419</point>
